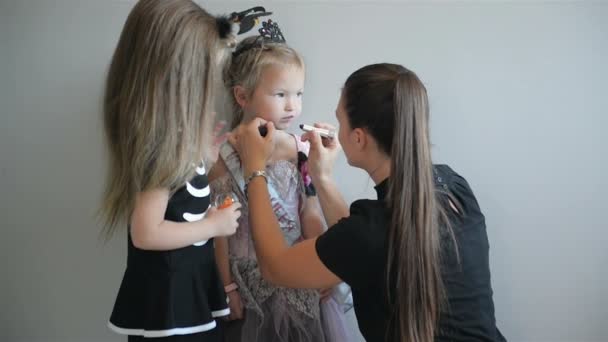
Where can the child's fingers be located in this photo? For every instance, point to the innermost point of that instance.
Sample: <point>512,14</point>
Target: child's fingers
<point>219,140</point>
<point>232,138</point>
<point>238,314</point>
<point>219,126</point>
<point>235,206</point>
<point>325,293</point>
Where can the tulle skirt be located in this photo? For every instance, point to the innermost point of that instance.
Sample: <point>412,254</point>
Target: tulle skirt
<point>277,314</point>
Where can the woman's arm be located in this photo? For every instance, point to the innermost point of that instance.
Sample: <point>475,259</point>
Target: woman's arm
<point>311,218</point>
<point>321,158</point>
<point>298,266</point>
<point>333,205</point>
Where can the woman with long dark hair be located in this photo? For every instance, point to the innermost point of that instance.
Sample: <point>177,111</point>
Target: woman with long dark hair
<point>417,257</point>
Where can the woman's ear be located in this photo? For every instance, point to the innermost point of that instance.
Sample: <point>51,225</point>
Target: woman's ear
<point>240,95</point>
<point>359,137</point>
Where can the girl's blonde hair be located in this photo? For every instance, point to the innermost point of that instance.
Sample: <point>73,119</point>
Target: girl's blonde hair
<point>252,55</point>
<point>157,100</point>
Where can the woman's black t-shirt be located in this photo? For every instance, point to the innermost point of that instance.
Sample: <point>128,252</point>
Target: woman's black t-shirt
<point>355,249</point>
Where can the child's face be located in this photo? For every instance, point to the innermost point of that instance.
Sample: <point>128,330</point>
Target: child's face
<point>278,95</point>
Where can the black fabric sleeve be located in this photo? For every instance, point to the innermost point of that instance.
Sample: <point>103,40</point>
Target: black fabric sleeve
<point>460,189</point>
<point>345,248</point>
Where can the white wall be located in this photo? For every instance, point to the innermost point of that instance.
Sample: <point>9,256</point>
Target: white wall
<point>518,100</point>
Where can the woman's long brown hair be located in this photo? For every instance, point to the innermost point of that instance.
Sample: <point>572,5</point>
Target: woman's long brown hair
<point>390,102</point>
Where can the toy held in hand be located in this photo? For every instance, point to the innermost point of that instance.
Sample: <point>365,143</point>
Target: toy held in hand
<point>224,201</point>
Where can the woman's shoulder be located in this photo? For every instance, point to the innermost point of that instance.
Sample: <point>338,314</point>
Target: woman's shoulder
<point>368,219</point>
<point>457,190</point>
<point>367,207</point>
<point>446,178</point>
<point>443,173</point>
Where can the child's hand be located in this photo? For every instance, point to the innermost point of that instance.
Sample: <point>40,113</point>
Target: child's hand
<point>236,306</point>
<point>325,293</point>
<point>224,221</point>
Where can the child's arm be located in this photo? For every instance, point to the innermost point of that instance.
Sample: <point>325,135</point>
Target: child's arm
<point>222,256</point>
<point>150,231</point>
<point>221,243</point>
<point>222,259</point>
<point>311,218</point>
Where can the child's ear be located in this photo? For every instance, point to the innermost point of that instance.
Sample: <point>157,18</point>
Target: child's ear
<point>240,95</point>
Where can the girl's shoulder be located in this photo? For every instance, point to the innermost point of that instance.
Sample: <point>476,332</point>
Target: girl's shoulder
<point>301,146</point>
<point>218,170</point>
<point>289,146</point>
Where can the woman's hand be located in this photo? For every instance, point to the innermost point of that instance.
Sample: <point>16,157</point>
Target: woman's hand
<point>253,149</point>
<point>322,155</point>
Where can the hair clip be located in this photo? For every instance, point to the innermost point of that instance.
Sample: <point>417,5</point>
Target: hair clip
<point>270,31</point>
<point>246,20</point>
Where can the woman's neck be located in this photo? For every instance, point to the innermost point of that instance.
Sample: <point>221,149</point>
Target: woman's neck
<point>380,169</point>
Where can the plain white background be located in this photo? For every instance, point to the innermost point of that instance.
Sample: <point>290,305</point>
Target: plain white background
<point>518,96</point>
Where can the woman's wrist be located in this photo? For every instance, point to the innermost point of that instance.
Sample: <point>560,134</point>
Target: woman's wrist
<point>250,168</point>
<point>324,185</point>
<point>322,181</point>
